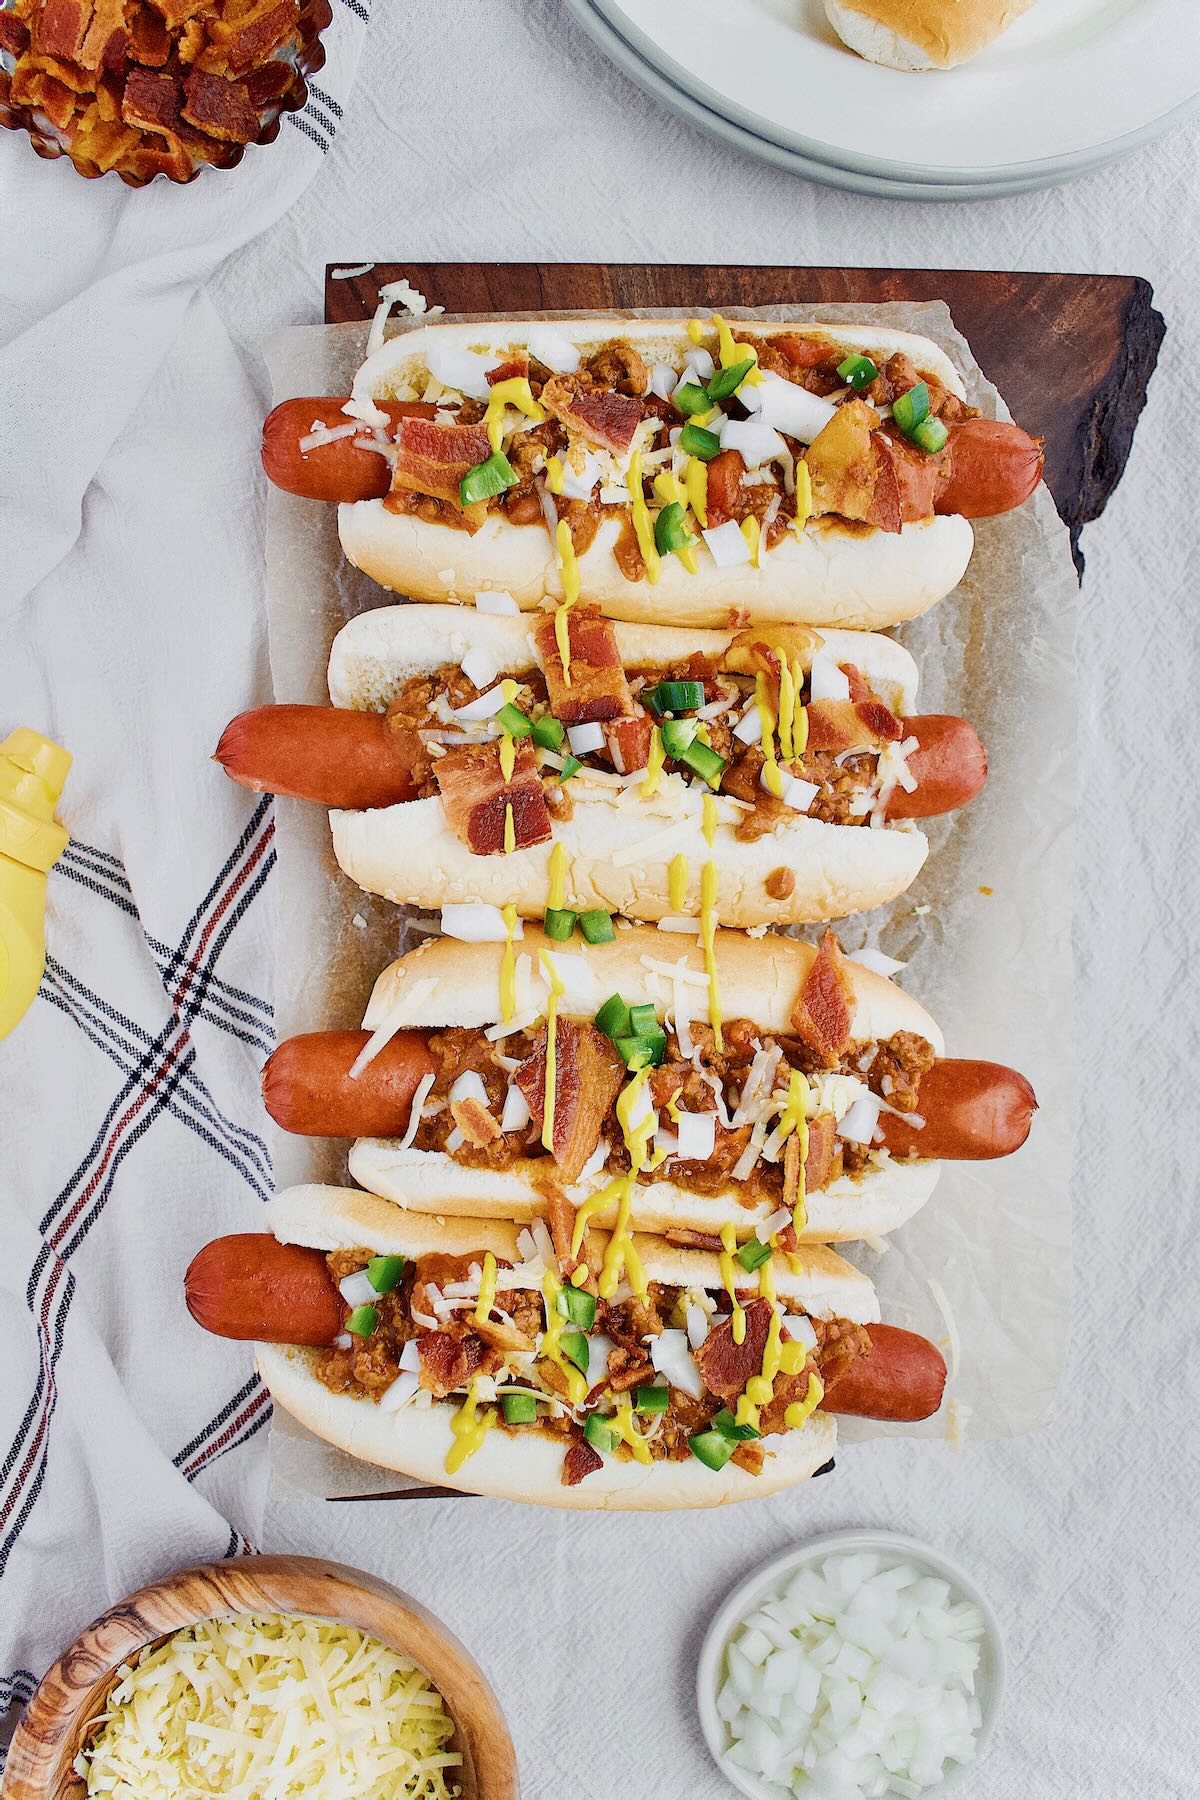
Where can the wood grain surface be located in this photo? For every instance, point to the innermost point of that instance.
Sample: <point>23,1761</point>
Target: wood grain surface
<point>1071,354</point>
<point>45,1744</point>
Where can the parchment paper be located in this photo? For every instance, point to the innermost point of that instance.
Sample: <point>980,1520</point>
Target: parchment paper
<point>985,930</point>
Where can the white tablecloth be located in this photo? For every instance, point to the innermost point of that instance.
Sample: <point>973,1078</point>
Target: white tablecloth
<point>495,131</point>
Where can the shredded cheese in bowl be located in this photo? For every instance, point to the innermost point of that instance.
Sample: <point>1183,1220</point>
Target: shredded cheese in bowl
<point>271,1707</point>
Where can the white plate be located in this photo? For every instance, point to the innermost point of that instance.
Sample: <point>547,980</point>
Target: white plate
<point>773,1576</point>
<point>1072,84</point>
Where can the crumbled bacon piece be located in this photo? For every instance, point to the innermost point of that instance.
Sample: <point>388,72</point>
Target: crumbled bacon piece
<point>433,458</point>
<point>727,1366</point>
<point>818,1164</point>
<point>512,370</point>
<point>628,742</point>
<point>580,1460</point>
<point>824,1007</point>
<point>838,725</point>
<point>687,1239</point>
<point>587,1077</point>
<point>476,798</point>
<point>597,689</point>
<point>851,473</point>
<point>560,1216</point>
<point>251,36</point>
<point>220,107</point>
<point>449,1359</point>
<point>475,1122</point>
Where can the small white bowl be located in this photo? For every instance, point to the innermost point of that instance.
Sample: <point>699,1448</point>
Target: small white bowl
<point>773,1576</point>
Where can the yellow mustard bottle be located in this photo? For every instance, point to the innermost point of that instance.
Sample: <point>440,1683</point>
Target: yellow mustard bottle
<point>33,772</point>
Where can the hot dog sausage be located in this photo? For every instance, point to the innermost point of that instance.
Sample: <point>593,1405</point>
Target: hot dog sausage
<point>993,466</point>
<point>321,753</point>
<point>358,760</point>
<point>307,1086</point>
<point>989,466</point>
<point>252,1286</point>
<point>972,1110</point>
<point>337,471</point>
<point>949,765</point>
<point>903,1378</point>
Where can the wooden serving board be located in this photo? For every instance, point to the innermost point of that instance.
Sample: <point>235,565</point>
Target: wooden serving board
<point>1071,354</point>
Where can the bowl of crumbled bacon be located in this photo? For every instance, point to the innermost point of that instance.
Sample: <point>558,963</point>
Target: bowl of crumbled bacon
<point>155,87</point>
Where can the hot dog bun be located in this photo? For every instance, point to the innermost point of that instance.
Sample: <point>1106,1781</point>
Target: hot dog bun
<point>528,1466</point>
<point>445,982</point>
<point>858,578</point>
<point>921,34</point>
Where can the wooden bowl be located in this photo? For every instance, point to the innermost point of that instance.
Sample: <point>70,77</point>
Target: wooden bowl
<point>43,1751</point>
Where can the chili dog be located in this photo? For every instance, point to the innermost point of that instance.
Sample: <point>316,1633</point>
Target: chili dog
<point>689,474</point>
<point>772,1092</point>
<point>454,1352</point>
<point>790,759</point>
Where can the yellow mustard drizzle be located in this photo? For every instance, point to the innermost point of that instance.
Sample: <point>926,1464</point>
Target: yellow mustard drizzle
<point>508,964</point>
<point>803,496</point>
<point>709,820</point>
<point>800,1411</point>
<point>695,331</point>
<point>787,707</point>
<point>766,736</point>
<point>668,488</point>
<point>673,1105</point>
<point>760,1387</point>
<point>487,1289</point>
<point>620,1256</point>
<point>730,352</point>
<point>695,481</point>
<point>643,529</point>
<point>794,1118</point>
<point>516,392</point>
<point>677,882</point>
<point>575,1379</point>
<point>562,637</point>
<point>708,932</point>
<point>555,475</point>
<point>654,765</point>
<point>565,546</point>
<point>729,1279</point>
<point>469,1427</point>
<point>753,536</point>
<point>622,1423</point>
<point>508,748</point>
<point>558,877</point>
<point>556,990</point>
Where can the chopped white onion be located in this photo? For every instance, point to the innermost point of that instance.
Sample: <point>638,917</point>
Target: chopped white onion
<point>598,1347</point>
<point>799,794</point>
<point>748,729</point>
<point>792,409</point>
<point>479,666</point>
<point>583,739</point>
<point>858,1126</point>
<point>475,922</point>
<point>456,1140</point>
<point>699,363</point>
<point>400,1392</point>
<point>756,442</point>
<point>496,601</point>
<point>463,370</point>
<point>800,1330</point>
<point>826,681</point>
<point>414,1114</point>
<point>342,1341</point>
<point>729,548</point>
<point>663,380</point>
<point>486,707</point>
<point>410,1356</point>
<point>516,1114</point>
<point>550,347</point>
<point>876,961</point>
<point>857,1682</point>
<point>595,1161</point>
<point>671,1357</point>
<point>469,1086</point>
<point>697,1135</point>
<point>774,1222</point>
<point>697,1326</point>
<point>356,1289</point>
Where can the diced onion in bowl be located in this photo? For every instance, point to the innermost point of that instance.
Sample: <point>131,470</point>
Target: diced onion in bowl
<point>856,1682</point>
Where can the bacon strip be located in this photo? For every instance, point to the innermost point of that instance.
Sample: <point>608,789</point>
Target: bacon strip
<point>587,1077</point>
<point>448,1360</point>
<point>597,415</point>
<point>508,371</point>
<point>825,1005</point>
<point>687,1239</point>
<point>818,1164</point>
<point>476,798</point>
<point>847,724</point>
<point>433,458</point>
<point>598,689</point>
<point>560,1216</point>
<point>725,1366</point>
<point>628,742</point>
<point>222,108</point>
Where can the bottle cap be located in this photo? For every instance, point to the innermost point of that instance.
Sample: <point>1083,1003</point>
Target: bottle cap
<point>33,771</point>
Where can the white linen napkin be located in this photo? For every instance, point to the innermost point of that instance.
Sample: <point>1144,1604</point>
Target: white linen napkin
<point>131,629</point>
